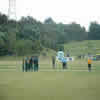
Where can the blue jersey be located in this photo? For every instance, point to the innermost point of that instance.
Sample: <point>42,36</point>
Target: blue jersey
<point>64,60</point>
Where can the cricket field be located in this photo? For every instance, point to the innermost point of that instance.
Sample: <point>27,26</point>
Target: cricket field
<point>76,83</point>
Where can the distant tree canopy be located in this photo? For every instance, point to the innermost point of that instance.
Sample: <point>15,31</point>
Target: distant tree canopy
<point>30,36</point>
<point>49,21</point>
<point>94,31</point>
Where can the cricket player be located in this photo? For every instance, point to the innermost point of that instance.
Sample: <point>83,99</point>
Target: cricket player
<point>31,64</point>
<point>89,64</point>
<point>26,64</point>
<point>36,65</point>
<point>53,62</point>
<point>64,63</point>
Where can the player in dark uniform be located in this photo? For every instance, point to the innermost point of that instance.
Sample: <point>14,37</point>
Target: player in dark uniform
<point>26,64</point>
<point>36,65</point>
<point>53,62</point>
<point>31,64</point>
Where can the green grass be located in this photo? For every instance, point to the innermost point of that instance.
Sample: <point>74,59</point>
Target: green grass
<point>71,85</point>
<point>50,86</point>
<point>83,47</point>
<point>46,63</point>
<point>16,85</point>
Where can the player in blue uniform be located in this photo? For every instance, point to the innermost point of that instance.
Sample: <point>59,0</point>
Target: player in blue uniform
<point>64,63</point>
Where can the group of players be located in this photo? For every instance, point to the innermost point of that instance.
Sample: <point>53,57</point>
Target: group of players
<point>63,61</point>
<point>30,64</point>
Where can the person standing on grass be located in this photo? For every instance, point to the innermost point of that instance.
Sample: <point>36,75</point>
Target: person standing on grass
<point>64,63</point>
<point>36,65</point>
<point>31,64</point>
<point>23,65</point>
<point>89,64</point>
<point>26,64</point>
<point>53,62</point>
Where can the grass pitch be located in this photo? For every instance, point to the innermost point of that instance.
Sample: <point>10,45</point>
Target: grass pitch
<point>46,64</point>
<point>71,85</point>
<point>50,86</point>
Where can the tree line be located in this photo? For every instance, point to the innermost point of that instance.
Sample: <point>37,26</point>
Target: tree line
<point>27,35</point>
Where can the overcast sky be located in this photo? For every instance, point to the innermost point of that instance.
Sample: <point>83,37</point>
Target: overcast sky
<point>66,11</point>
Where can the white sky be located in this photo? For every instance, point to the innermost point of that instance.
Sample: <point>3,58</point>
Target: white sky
<point>65,11</point>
